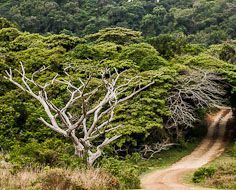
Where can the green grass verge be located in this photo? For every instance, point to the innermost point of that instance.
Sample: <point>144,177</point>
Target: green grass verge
<point>224,176</point>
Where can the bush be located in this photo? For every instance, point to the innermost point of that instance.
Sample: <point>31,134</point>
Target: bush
<point>127,173</point>
<point>203,173</point>
<point>52,152</point>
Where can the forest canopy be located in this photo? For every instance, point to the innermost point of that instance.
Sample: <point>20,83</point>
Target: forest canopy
<point>204,21</point>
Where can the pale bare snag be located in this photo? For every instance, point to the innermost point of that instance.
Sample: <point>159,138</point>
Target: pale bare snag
<point>198,89</point>
<point>79,130</point>
<point>149,151</point>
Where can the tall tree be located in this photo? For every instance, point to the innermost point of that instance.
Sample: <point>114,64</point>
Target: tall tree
<point>94,116</point>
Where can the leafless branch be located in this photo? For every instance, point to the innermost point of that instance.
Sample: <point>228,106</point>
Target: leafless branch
<point>94,116</point>
<point>149,151</point>
<point>198,89</point>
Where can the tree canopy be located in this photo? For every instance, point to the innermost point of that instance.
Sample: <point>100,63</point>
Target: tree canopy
<point>204,21</point>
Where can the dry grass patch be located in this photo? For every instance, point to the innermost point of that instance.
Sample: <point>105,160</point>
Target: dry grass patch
<point>20,180</point>
<point>61,179</point>
<point>225,175</point>
<point>56,179</point>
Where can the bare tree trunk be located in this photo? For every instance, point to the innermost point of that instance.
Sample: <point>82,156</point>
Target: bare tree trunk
<point>92,157</point>
<point>80,150</point>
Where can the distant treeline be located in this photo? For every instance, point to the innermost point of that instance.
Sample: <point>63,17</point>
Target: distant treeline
<point>205,21</point>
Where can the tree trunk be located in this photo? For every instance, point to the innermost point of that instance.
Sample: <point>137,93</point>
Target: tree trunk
<point>92,157</point>
<point>80,150</point>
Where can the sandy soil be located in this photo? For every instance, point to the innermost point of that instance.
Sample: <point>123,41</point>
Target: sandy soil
<point>209,149</point>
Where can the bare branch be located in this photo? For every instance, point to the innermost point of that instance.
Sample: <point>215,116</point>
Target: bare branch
<point>199,89</point>
<point>149,151</point>
<point>92,117</point>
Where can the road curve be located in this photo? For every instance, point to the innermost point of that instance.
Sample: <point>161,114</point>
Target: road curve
<point>209,149</point>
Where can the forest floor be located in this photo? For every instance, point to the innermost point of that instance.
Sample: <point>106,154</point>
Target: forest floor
<point>210,148</point>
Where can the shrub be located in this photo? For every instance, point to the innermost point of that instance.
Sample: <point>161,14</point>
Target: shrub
<point>4,23</point>
<point>203,173</point>
<point>127,173</point>
<point>52,152</point>
<point>152,62</point>
<point>233,151</point>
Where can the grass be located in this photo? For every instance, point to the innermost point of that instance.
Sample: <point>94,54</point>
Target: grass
<point>58,179</point>
<point>225,174</point>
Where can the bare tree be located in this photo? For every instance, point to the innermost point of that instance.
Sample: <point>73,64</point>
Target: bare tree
<point>92,123</point>
<point>149,151</point>
<point>197,89</point>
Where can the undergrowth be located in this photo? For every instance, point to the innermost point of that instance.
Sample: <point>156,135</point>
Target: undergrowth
<point>115,173</point>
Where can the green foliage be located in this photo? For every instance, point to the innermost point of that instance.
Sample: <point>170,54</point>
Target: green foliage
<point>52,152</point>
<point>4,23</point>
<point>204,21</point>
<point>203,173</point>
<point>7,35</point>
<point>144,55</point>
<point>27,40</point>
<point>169,44</point>
<point>126,173</point>
<point>7,121</point>
<point>117,35</point>
<point>84,51</point>
<point>65,41</point>
<point>225,51</point>
<point>228,53</point>
<point>137,52</point>
<point>153,62</point>
<point>193,49</point>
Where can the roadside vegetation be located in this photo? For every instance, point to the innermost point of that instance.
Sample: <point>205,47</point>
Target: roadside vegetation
<point>115,173</point>
<point>220,173</point>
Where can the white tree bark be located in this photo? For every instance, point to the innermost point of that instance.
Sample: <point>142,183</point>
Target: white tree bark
<point>81,130</point>
<point>197,89</point>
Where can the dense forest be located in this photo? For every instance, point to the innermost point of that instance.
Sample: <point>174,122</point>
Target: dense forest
<point>205,21</point>
<point>185,50</point>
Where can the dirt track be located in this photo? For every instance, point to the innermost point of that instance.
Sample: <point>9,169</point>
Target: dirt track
<point>210,148</point>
